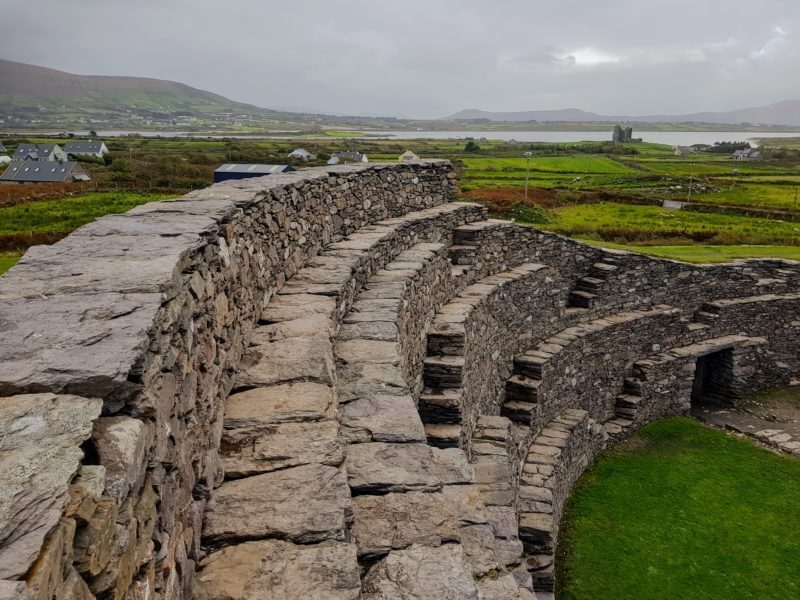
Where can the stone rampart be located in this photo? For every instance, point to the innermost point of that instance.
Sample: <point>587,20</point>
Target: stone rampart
<point>249,379</point>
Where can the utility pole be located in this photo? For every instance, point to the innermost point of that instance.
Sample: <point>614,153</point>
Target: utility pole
<point>691,181</point>
<point>527,156</point>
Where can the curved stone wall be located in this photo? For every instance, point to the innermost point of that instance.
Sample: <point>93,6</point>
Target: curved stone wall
<point>150,312</point>
<point>322,381</point>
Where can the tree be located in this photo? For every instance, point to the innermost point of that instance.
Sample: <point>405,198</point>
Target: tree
<point>472,147</point>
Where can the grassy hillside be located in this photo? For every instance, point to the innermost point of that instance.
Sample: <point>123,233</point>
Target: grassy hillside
<point>26,89</point>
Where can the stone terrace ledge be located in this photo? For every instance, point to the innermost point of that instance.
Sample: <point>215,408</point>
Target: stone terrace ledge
<point>75,316</point>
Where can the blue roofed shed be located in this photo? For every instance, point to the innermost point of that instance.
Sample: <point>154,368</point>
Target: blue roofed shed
<point>234,171</point>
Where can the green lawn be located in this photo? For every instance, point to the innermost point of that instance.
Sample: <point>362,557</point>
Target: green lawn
<point>65,214</point>
<point>8,260</point>
<point>626,223</point>
<point>683,511</point>
<point>549,164</point>
<point>781,194</point>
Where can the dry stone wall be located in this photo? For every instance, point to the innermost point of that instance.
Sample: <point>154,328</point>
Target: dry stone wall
<point>360,310</point>
<point>149,312</point>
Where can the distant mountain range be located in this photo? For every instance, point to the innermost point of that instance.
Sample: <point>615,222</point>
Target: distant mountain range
<point>34,96</point>
<point>786,113</point>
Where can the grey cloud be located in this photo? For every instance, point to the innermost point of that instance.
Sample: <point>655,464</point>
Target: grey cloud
<point>423,58</point>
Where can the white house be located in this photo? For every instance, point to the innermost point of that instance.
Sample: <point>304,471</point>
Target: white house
<point>96,148</point>
<point>684,150</point>
<point>342,158</point>
<point>301,154</point>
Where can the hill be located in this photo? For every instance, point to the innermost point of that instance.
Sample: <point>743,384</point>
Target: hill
<point>27,89</point>
<point>786,113</point>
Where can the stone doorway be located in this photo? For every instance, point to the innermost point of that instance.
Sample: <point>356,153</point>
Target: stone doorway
<point>714,379</point>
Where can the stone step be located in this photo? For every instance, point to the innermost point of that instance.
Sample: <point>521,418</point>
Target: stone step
<point>259,570</point>
<point>602,270</point>
<point>522,389</point>
<point>589,284</point>
<point>473,232</point>
<point>519,412</point>
<point>266,506</point>
<point>446,339</point>
<point>530,366</point>
<point>440,405</point>
<point>632,386</point>
<point>624,412</point>
<point>628,401</point>
<point>462,255</point>
<point>706,317</point>
<point>580,299</point>
<point>443,371</point>
<point>443,435</point>
<point>620,422</point>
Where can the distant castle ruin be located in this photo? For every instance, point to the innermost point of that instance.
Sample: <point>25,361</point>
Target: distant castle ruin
<point>621,135</point>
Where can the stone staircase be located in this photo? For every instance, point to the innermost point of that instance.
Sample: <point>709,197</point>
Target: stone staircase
<point>441,402</point>
<point>415,506</point>
<point>554,460</point>
<point>587,287</point>
<point>280,435</point>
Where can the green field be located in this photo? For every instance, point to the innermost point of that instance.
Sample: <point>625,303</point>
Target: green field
<point>683,511</point>
<point>642,225</point>
<point>593,190</point>
<point>8,260</point>
<point>66,214</point>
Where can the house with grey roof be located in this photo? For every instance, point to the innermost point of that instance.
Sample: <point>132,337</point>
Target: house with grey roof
<point>242,171</point>
<point>95,148</point>
<point>40,152</point>
<point>342,158</point>
<point>747,154</point>
<point>44,171</point>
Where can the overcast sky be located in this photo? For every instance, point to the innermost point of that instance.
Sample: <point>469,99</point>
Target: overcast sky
<point>430,58</point>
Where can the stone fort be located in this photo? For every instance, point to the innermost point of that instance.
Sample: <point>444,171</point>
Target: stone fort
<point>340,383</point>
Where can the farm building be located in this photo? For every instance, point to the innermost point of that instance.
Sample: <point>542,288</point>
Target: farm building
<point>235,171</point>
<point>36,171</point>
<point>342,158</point>
<point>301,154</point>
<point>408,155</point>
<point>40,152</point>
<point>684,151</point>
<point>96,148</point>
<point>747,154</point>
